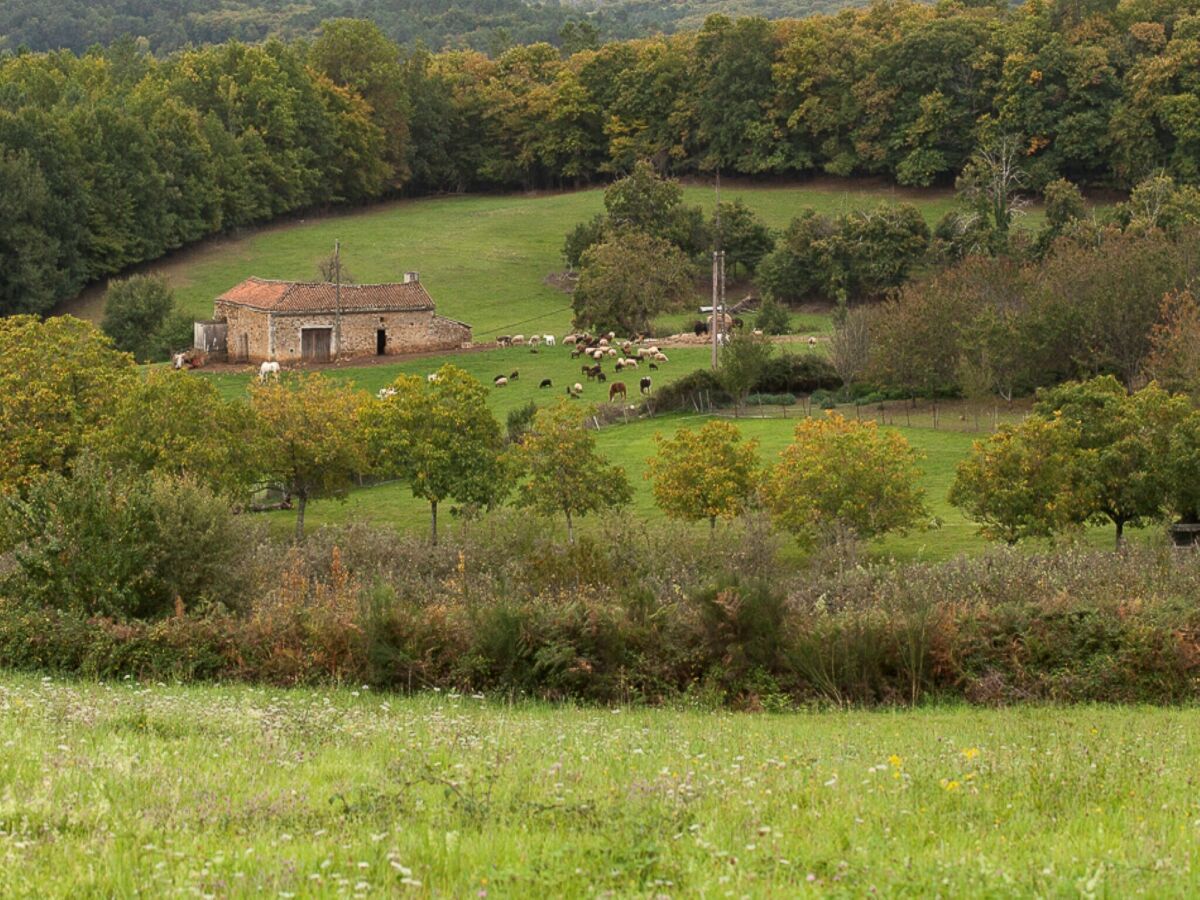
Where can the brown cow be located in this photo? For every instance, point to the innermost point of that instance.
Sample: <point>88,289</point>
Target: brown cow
<point>617,387</point>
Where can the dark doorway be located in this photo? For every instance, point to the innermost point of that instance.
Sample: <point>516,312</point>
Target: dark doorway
<point>380,342</point>
<point>316,344</point>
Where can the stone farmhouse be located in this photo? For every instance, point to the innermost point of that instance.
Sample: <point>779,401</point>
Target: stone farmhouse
<point>287,321</point>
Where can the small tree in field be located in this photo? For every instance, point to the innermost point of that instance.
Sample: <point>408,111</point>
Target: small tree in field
<point>311,437</point>
<point>564,472</point>
<point>1024,481</point>
<point>441,437</point>
<point>850,344</point>
<point>839,478</point>
<point>710,473</point>
<point>742,363</point>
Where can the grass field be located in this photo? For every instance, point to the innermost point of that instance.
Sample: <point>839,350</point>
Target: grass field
<point>124,789</point>
<point>484,258</point>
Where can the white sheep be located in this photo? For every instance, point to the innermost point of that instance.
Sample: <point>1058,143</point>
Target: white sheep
<point>518,338</point>
<point>549,340</point>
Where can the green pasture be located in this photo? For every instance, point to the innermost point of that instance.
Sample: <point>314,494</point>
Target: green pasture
<point>484,258</point>
<point>116,790</point>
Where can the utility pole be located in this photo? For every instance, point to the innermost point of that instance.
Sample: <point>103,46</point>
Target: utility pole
<point>337,294</point>
<point>718,289</point>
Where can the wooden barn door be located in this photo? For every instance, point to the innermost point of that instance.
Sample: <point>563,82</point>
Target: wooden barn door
<point>316,344</point>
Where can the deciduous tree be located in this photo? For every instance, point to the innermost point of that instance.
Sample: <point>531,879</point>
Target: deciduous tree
<point>628,280</point>
<point>563,472</point>
<point>59,379</point>
<point>839,478</point>
<point>441,437</point>
<point>707,473</point>
<point>179,424</point>
<point>311,438</point>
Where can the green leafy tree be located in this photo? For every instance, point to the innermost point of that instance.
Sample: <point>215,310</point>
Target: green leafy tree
<point>440,436</point>
<point>773,318</point>
<point>707,473</point>
<point>59,379</point>
<point>179,424</point>
<point>628,280</point>
<point>563,472</point>
<point>311,438</point>
<point>742,362</point>
<point>842,479</point>
<point>140,317</point>
<point>1024,481</point>
<point>743,236</point>
<point>1122,441</point>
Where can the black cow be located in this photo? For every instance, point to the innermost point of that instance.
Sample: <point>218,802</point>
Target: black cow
<point>645,384</point>
<point>546,382</point>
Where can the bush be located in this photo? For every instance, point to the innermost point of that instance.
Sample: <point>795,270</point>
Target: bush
<point>773,318</point>
<point>519,421</point>
<point>771,400</point>
<point>790,373</point>
<point>655,616</point>
<point>694,389</point>
<point>126,546</point>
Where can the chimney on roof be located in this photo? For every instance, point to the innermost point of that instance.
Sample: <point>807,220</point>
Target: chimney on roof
<point>411,277</point>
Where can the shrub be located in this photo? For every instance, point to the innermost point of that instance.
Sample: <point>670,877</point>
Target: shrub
<point>519,421</point>
<point>791,373</point>
<point>773,318</point>
<point>140,317</point>
<point>695,389</point>
<point>126,545</point>
<point>771,400</point>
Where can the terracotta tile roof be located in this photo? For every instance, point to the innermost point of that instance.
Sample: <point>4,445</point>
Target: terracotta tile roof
<point>295,296</point>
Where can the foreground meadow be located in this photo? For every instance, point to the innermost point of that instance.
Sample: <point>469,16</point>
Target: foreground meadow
<point>111,790</point>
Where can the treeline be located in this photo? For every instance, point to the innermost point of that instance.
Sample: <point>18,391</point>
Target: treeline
<point>489,25</point>
<point>117,156</point>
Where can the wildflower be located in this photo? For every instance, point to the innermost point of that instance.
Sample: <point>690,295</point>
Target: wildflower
<point>895,761</point>
<point>950,784</point>
<point>971,752</point>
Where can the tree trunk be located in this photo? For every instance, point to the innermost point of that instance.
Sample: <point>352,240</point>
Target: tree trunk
<point>1120,532</point>
<point>570,529</point>
<point>433,522</point>
<point>712,524</point>
<point>301,502</point>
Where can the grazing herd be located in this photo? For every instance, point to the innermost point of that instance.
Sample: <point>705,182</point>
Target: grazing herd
<point>597,350</point>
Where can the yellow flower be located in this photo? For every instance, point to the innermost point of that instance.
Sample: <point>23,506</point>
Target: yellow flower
<point>895,760</point>
<point>950,785</point>
<point>971,752</point>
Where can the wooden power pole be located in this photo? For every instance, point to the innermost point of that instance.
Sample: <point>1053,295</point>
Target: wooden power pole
<point>337,295</point>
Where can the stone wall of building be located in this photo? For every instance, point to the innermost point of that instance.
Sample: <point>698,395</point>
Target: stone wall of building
<point>249,338</point>
<point>246,338</point>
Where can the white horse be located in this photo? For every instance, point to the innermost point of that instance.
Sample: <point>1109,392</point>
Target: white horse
<point>268,370</point>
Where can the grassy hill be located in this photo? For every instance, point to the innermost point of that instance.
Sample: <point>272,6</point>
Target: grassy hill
<point>484,258</point>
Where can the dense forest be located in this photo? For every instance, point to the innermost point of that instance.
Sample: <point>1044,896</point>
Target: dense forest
<point>490,25</point>
<point>116,156</point>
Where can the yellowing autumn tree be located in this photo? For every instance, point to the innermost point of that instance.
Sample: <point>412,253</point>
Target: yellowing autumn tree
<point>709,473</point>
<point>59,379</point>
<point>311,438</point>
<point>441,437</point>
<point>564,473</point>
<point>839,478</point>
